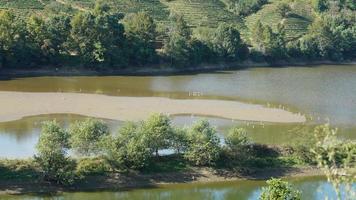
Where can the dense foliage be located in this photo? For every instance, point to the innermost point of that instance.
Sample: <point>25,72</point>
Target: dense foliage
<point>279,190</point>
<point>87,135</point>
<point>337,158</point>
<point>103,38</point>
<point>52,155</point>
<point>136,146</point>
<point>203,144</point>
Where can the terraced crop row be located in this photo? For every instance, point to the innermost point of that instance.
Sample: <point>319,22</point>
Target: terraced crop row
<point>207,13</point>
<point>296,23</point>
<point>155,8</point>
<point>23,4</point>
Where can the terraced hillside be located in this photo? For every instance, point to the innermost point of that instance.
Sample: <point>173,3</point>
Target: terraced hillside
<point>198,13</point>
<point>296,23</point>
<point>208,13</point>
<point>23,4</point>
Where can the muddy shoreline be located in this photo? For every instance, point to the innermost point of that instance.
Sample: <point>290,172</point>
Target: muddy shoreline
<point>154,70</point>
<point>130,181</point>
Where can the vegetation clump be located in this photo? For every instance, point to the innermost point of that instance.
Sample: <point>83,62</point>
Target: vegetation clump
<point>52,154</point>
<point>279,190</point>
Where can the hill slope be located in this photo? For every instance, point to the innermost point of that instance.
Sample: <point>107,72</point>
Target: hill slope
<point>198,13</point>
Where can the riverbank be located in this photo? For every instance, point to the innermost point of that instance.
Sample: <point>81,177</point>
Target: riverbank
<point>129,181</point>
<point>155,69</point>
<point>16,105</point>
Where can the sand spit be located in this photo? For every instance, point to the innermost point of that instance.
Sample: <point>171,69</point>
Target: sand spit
<point>16,105</point>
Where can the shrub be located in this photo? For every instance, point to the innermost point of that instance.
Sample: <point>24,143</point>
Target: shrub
<point>228,44</point>
<point>157,129</point>
<point>52,154</point>
<point>179,140</point>
<point>204,145</point>
<point>237,138</point>
<point>129,149</point>
<point>279,190</point>
<point>86,135</point>
<point>92,166</point>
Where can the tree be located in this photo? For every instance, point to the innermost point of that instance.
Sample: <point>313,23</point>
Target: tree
<point>337,158</point>
<point>279,190</point>
<point>58,29</point>
<point>180,26</point>
<point>38,40</point>
<point>179,140</point>
<point>237,138</point>
<point>176,46</point>
<point>271,44</point>
<point>98,36</point>
<point>237,145</point>
<point>140,30</point>
<point>227,43</point>
<point>52,156</point>
<point>256,34</point>
<point>199,51</point>
<point>12,40</point>
<point>129,149</point>
<point>87,135</point>
<point>203,144</point>
<point>157,128</point>
<point>330,37</point>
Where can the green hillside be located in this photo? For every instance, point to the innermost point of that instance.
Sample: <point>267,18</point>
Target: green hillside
<point>296,23</point>
<point>198,13</point>
<point>22,4</point>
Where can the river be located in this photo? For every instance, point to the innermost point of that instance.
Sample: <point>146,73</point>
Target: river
<point>312,188</point>
<point>323,93</point>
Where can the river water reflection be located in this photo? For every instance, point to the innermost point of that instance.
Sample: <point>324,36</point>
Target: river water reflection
<point>312,188</point>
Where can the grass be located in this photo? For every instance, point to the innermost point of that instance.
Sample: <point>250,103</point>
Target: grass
<point>23,4</point>
<point>172,163</point>
<point>18,170</point>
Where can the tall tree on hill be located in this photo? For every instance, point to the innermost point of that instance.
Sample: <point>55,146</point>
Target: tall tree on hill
<point>228,44</point>
<point>39,40</point>
<point>270,43</point>
<point>12,39</point>
<point>140,30</point>
<point>58,28</point>
<point>256,33</point>
<point>176,46</point>
<point>98,36</point>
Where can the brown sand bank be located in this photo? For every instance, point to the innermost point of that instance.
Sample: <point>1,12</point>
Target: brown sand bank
<point>15,105</point>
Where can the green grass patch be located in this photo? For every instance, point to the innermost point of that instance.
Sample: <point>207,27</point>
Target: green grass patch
<point>172,163</point>
<point>18,169</point>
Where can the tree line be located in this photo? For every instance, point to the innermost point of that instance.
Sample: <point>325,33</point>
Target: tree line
<point>101,38</point>
<point>137,145</point>
<point>66,156</point>
<point>133,147</point>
